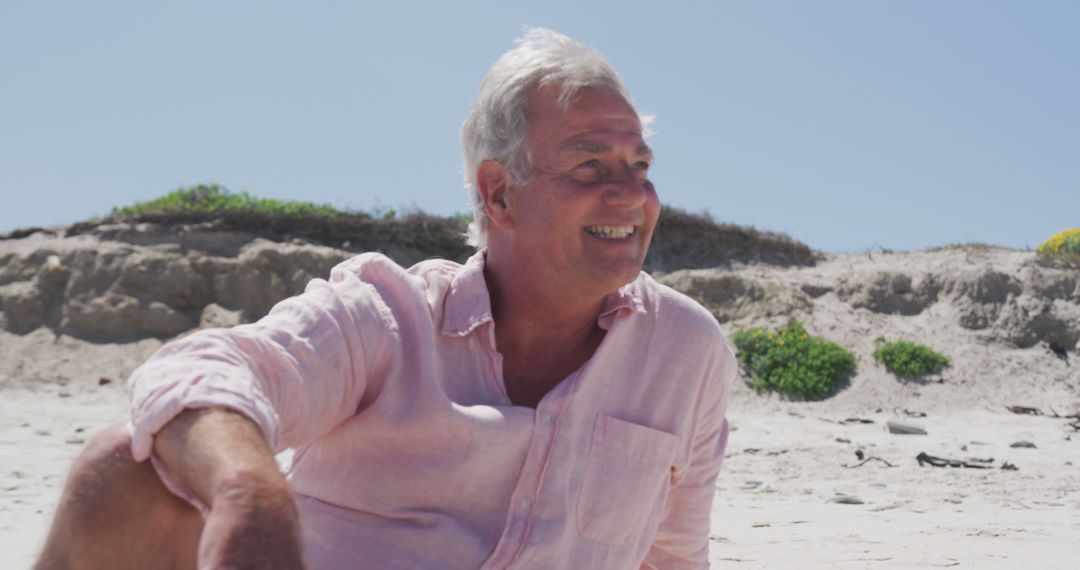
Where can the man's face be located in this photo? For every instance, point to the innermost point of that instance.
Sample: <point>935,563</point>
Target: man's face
<point>585,220</point>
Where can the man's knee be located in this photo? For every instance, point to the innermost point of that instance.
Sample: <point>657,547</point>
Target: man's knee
<point>107,484</point>
<point>117,512</point>
<point>104,469</point>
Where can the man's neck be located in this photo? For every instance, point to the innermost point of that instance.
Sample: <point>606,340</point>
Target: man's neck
<point>529,314</point>
<point>543,337</point>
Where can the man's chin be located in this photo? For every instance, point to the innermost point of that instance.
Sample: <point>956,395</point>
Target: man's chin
<point>618,273</point>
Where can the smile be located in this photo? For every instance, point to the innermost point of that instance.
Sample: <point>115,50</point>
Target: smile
<point>610,232</point>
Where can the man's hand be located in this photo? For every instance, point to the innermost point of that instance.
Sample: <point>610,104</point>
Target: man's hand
<point>253,520</point>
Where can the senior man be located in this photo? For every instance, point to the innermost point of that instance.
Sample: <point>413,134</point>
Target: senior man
<point>544,405</point>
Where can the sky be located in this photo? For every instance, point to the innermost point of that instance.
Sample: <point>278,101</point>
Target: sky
<point>849,125</point>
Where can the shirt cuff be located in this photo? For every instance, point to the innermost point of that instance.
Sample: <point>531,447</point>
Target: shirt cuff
<point>155,410</point>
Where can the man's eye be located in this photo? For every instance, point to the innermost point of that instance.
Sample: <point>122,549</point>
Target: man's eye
<point>641,165</point>
<point>594,163</point>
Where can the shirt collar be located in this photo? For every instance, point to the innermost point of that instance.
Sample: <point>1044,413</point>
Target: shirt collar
<point>625,301</point>
<point>468,303</point>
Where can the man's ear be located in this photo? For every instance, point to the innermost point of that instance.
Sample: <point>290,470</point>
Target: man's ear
<point>494,186</point>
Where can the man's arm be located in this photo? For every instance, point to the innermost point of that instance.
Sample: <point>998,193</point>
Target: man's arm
<point>682,541</point>
<point>222,457</point>
<point>213,407</point>
<point>296,373</point>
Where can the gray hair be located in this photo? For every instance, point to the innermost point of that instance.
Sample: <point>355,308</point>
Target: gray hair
<point>497,125</point>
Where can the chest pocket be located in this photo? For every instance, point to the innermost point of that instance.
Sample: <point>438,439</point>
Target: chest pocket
<point>627,476</point>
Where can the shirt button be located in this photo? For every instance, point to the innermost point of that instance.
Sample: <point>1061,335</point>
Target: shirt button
<point>524,503</point>
<point>548,418</point>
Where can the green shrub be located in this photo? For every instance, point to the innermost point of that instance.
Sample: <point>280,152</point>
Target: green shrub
<point>1063,245</point>
<point>213,198</point>
<point>965,245</point>
<point>906,358</point>
<point>792,362</point>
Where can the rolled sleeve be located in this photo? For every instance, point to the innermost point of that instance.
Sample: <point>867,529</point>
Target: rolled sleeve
<point>296,373</point>
<point>156,403</point>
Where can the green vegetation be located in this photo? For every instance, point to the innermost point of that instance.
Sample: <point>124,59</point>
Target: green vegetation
<point>1063,245</point>
<point>682,240</point>
<point>909,359</point>
<point>213,198</point>
<point>685,240</point>
<point>407,236</point>
<point>965,245</point>
<point>792,362</point>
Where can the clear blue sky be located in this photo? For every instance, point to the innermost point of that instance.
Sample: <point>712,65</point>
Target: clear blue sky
<point>845,124</point>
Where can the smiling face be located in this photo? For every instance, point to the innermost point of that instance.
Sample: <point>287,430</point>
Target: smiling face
<point>585,220</point>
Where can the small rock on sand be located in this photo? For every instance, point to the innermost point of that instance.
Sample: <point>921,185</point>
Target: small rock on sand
<point>905,427</point>
<point>846,499</point>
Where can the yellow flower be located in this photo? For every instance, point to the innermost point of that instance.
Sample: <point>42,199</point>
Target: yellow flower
<point>1062,242</point>
<point>781,341</point>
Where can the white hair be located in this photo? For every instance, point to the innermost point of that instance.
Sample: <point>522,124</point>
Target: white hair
<point>497,125</point>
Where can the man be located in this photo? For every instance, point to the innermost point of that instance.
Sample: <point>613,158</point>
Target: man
<point>546,405</point>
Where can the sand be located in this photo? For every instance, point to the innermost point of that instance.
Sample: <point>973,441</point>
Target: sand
<point>776,504</point>
<point>792,492</point>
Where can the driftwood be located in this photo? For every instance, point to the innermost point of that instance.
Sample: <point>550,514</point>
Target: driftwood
<point>756,450</point>
<point>1037,412</point>
<point>867,460</point>
<point>986,460</point>
<point>976,463</point>
<point>971,463</point>
<point>860,455</point>
<point>1074,424</point>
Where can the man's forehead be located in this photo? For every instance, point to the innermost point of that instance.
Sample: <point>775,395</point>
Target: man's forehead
<point>585,105</point>
<point>593,121</point>
<point>596,147</point>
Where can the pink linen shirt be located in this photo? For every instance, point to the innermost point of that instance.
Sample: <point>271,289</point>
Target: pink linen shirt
<point>409,453</point>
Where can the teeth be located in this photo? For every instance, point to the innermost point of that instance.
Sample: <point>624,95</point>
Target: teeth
<point>610,232</point>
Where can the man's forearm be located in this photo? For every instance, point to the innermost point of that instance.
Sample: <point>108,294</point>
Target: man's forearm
<point>213,450</point>
<point>222,457</point>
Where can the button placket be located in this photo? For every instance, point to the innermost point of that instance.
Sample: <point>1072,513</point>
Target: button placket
<point>524,504</point>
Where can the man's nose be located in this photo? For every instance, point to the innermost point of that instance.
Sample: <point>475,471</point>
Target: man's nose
<point>625,191</point>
